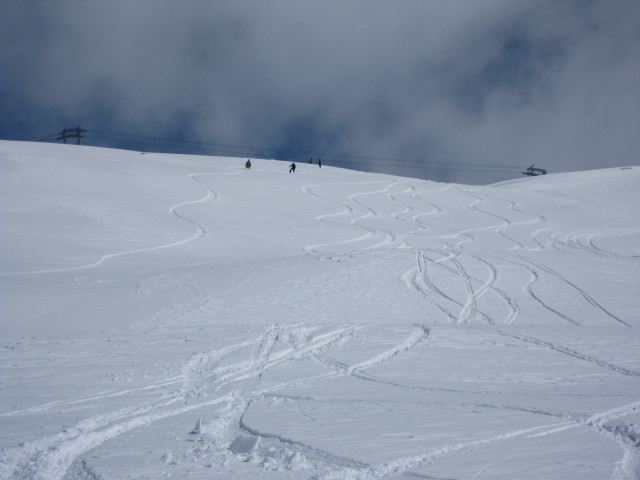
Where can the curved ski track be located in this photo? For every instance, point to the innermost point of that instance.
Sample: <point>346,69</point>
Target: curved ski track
<point>199,233</point>
<point>459,253</point>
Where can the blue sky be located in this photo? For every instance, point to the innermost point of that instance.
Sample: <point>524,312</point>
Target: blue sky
<point>464,90</point>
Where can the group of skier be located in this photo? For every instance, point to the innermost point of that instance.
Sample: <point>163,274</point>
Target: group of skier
<point>292,167</point>
<point>319,162</point>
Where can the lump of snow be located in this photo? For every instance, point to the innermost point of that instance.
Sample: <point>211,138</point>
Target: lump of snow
<point>196,429</point>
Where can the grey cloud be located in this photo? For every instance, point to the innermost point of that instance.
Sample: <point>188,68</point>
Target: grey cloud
<point>486,82</point>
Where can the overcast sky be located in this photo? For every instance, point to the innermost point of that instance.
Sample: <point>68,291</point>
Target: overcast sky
<point>470,85</point>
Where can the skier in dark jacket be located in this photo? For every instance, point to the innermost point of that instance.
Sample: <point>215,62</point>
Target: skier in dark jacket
<point>319,163</point>
<point>248,164</point>
<point>292,168</point>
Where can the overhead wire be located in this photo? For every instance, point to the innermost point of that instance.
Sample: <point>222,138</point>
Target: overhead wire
<point>349,157</point>
<point>126,140</point>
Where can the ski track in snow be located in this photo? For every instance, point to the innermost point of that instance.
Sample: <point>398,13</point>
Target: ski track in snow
<point>584,294</point>
<point>627,468</point>
<point>49,458</point>
<point>500,228</point>
<point>420,334</point>
<point>569,352</point>
<point>211,379</point>
<point>200,385</point>
<point>535,277</point>
<point>400,467</point>
<point>199,233</point>
<point>587,240</point>
<point>389,238</point>
<point>419,280</point>
<point>470,306</point>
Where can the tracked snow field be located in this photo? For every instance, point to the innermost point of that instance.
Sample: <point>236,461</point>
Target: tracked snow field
<point>168,316</point>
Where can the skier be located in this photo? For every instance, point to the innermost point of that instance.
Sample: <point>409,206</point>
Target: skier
<point>248,164</point>
<point>319,163</point>
<point>311,161</point>
<point>292,168</point>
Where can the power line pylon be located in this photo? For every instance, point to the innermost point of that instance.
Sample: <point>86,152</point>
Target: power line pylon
<point>71,133</point>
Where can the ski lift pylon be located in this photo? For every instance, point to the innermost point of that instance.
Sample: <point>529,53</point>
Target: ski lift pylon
<point>532,171</point>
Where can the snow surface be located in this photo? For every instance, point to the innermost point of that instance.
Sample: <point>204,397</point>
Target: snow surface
<point>171,316</point>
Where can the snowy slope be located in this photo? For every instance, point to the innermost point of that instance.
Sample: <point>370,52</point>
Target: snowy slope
<point>170,316</point>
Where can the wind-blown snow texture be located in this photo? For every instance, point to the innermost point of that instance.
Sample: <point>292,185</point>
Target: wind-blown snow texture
<point>182,317</point>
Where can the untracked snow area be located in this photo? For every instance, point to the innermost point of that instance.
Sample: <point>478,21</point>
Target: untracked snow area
<point>173,316</point>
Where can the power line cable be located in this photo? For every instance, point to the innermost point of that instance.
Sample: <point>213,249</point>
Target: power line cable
<point>351,159</point>
<point>306,152</point>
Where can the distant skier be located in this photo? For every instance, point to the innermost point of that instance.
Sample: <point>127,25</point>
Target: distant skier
<point>248,164</point>
<point>311,161</point>
<point>292,168</point>
<point>319,163</point>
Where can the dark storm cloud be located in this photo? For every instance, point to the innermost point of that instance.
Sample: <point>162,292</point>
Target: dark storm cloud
<point>487,82</point>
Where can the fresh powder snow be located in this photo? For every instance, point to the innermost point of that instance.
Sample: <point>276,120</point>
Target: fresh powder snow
<point>174,316</point>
